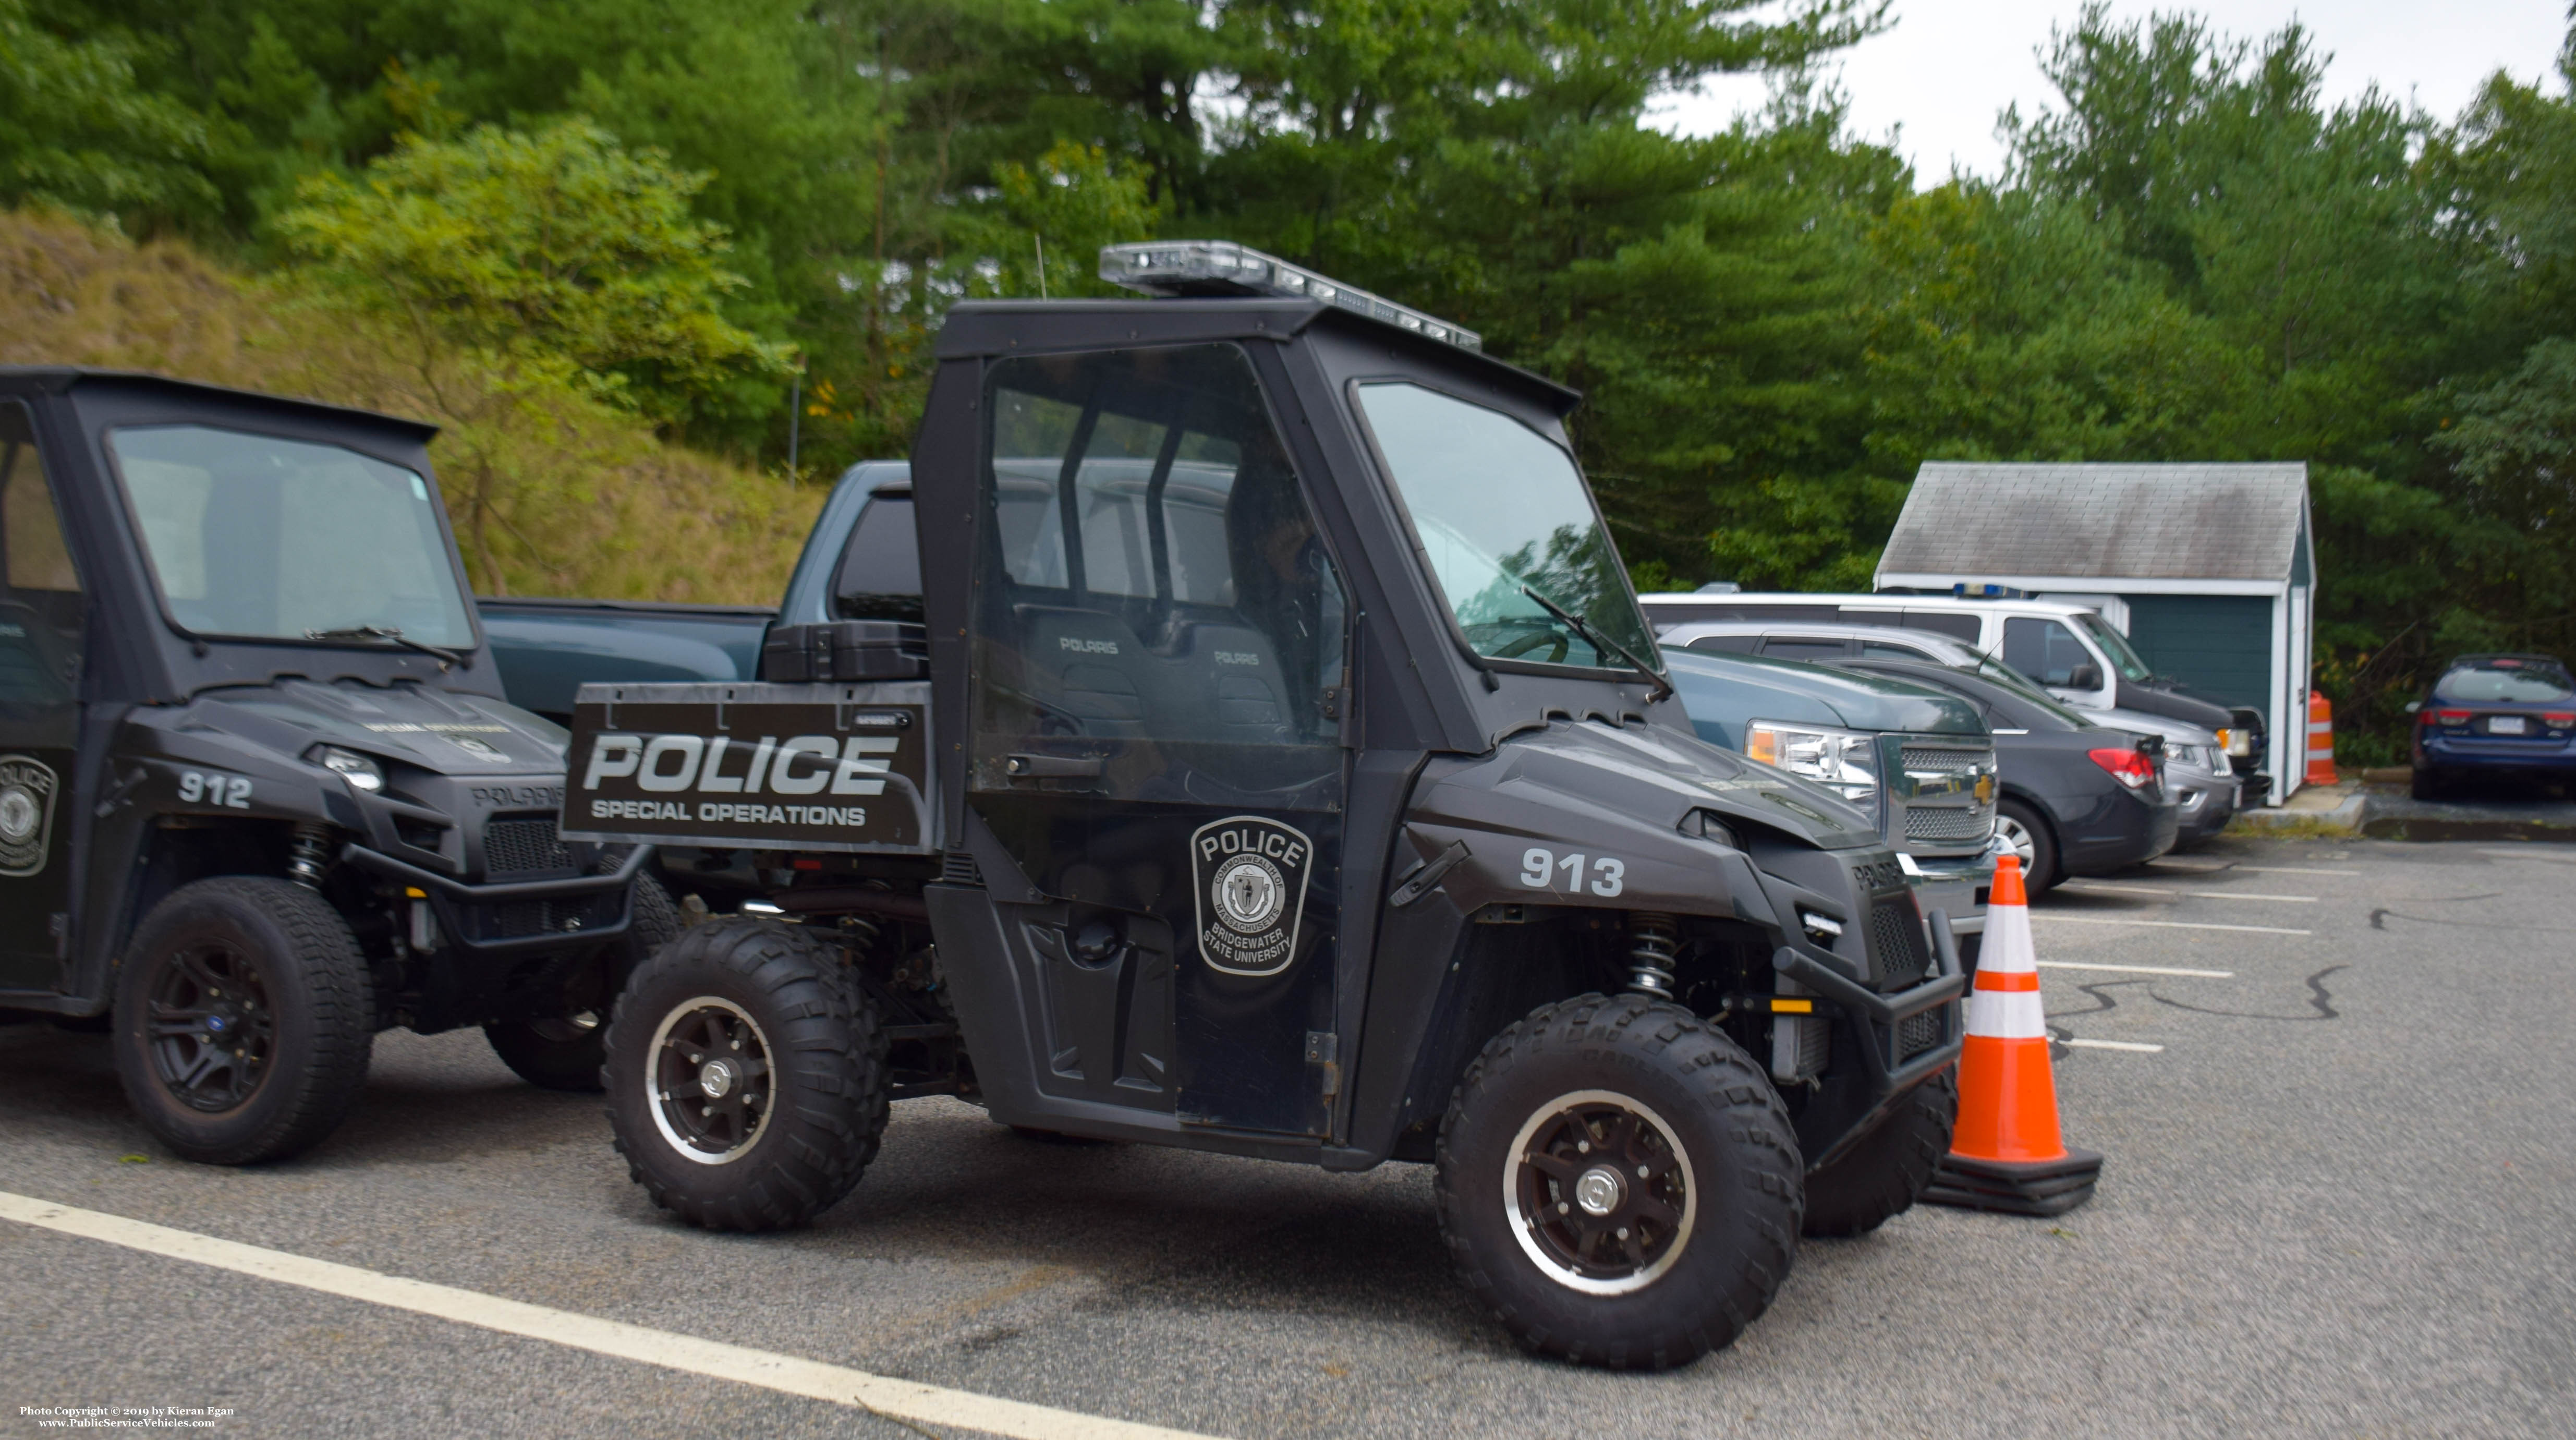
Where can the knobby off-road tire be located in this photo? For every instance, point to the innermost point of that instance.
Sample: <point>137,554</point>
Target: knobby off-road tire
<point>568,1052</point>
<point>1592,1091</point>
<point>1882,1176</point>
<point>244,1019</point>
<point>786,1131</point>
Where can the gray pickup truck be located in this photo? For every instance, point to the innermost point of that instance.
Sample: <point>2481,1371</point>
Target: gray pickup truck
<point>859,563</point>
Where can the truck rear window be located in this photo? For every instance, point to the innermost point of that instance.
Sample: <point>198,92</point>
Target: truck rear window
<point>880,574</point>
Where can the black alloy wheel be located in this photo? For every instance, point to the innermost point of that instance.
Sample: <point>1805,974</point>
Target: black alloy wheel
<point>244,1017</point>
<point>747,1077</point>
<point>213,1030</point>
<point>712,1080</point>
<point>1600,1191</point>
<point>1619,1182</point>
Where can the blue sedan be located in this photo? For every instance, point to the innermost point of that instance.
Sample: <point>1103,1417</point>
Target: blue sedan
<point>2495,715</point>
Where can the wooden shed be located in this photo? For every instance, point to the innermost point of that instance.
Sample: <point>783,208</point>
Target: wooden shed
<point>2208,569</point>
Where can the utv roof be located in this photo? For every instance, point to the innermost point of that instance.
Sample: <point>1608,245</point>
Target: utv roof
<point>59,379</point>
<point>1020,327</point>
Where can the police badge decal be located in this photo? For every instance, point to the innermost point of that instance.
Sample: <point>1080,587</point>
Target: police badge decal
<point>27,788</point>
<point>1250,876</point>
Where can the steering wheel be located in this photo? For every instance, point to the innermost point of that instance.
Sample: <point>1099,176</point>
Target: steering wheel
<point>1525,644</point>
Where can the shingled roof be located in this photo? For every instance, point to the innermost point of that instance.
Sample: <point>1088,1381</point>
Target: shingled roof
<point>2166,522</point>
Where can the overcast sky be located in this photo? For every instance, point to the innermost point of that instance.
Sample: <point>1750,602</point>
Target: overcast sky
<point>1946,70</point>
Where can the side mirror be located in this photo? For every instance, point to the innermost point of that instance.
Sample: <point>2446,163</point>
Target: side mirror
<point>2414,705</point>
<point>2084,677</point>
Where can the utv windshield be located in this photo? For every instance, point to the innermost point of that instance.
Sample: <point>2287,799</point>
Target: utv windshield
<point>263,538</point>
<point>1501,512</point>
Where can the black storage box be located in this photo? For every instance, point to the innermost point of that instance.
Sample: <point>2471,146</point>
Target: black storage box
<point>845,650</point>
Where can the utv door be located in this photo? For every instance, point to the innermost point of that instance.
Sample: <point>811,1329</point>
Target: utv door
<point>41,632</point>
<point>1156,670</point>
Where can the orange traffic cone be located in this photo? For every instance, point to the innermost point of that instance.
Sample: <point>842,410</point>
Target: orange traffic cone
<point>2321,769</point>
<point>2006,1153</point>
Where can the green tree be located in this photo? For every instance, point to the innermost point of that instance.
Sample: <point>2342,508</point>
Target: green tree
<point>79,133</point>
<point>554,247</point>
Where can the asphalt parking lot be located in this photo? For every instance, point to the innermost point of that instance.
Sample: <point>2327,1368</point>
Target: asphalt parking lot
<point>2332,1080</point>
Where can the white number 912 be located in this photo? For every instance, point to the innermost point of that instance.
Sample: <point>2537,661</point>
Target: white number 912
<point>1539,870</point>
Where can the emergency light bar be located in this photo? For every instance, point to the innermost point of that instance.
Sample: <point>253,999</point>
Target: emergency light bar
<point>1221,267</point>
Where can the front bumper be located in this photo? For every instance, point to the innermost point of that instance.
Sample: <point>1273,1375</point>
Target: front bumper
<point>517,916</point>
<point>1955,885</point>
<point>1885,1026</point>
<point>2207,803</point>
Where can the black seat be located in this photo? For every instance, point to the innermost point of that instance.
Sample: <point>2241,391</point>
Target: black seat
<point>1089,666</point>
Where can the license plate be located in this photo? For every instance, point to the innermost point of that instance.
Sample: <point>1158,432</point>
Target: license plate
<point>2505,725</point>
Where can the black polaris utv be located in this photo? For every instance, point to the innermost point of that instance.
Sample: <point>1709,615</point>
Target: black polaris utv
<point>1283,769</point>
<point>259,794</point>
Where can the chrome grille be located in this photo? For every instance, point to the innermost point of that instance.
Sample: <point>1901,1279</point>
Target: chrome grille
<point>1896,942</point>
<point>518,847</point>
<point>1941,760</point>
<point>1958,823</point>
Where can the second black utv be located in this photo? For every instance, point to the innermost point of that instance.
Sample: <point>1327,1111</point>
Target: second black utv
<point>260,796</point>
<point>1283,769</point>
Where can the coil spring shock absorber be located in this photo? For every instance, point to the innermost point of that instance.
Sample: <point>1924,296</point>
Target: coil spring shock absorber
<point>308,854</point>
<point>1653,939</point>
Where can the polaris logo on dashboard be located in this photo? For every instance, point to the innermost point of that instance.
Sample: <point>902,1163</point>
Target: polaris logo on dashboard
<point>1086,647</point>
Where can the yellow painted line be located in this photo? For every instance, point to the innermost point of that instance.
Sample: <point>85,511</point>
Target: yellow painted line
<point>878,1395</point>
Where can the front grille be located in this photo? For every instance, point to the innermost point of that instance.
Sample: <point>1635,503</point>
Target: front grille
<point>1956,823</point>
<point>518,847</point>
<point>1918,1033</point>
<point>1940,760</point>
<point>1896,942</point>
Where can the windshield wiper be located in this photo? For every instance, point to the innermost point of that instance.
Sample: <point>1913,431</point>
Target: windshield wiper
<point>1600,642</point>
<point>388,632</point>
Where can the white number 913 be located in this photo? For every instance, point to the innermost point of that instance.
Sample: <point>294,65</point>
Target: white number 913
<point>1539,870</point>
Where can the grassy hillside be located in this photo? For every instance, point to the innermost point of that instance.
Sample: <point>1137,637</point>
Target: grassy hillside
<point>552,491</point>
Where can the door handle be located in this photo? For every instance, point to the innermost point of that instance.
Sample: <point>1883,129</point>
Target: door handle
<point>1054,767</point>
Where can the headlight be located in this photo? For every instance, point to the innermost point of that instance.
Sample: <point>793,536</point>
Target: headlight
<point>1837,758</point>
<point>357,769</point>
<point>2237,742</point>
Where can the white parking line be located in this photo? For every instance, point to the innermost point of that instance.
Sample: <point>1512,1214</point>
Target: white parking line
<point>2135,969</point>
<point>894,1399</point>
<point>2117,1045</point>
<point>2544,856</point>
<point>2291,870</point>
<point>2055,918</point>
<point>2096,887</point>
